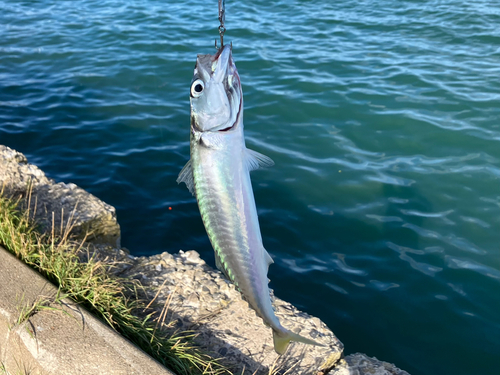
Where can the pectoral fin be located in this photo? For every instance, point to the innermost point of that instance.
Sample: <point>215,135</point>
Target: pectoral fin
<point>186,176</point>
<point>255,160</point>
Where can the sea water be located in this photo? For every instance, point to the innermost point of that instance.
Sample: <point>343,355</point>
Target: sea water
<point>382,212</point>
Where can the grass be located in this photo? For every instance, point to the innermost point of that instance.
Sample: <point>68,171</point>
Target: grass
<point>26,310</point>
<point>21,369</point>
<point>113,300</point>
<point>4,371</point>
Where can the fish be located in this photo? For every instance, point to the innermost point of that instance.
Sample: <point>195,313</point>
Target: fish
<point>218,176</point>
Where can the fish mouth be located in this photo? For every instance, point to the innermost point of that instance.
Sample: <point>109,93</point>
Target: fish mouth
<point>224,59</point>
<point>225,64</point>
<point>235,121</point>
<point>194,126</point>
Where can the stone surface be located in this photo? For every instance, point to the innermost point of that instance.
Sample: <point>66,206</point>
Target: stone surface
<point>361,364</point>
<point>199,298</point>
<point>62,338</point>
<point>57,206</point>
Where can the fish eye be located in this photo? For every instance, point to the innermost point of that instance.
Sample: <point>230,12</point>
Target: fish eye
<point>197,88</point>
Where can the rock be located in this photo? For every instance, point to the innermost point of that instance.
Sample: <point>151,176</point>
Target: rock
<point>191,257</point>
<point>192,300</point>
<point>201,299</point>
<point>361,364</point>
<point>16,175</point>
<point>340,368</point>
<point>62,207</point>
<point>167,256</point>
<point>115,260</point>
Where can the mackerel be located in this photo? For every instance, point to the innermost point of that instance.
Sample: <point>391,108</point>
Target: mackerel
<point>218,175</point>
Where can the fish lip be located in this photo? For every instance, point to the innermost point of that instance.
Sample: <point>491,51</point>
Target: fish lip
<point>226,53</point>
<point>223,58</point>
<point>204,64</point>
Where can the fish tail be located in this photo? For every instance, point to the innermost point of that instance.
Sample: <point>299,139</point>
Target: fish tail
<point>282,340</point>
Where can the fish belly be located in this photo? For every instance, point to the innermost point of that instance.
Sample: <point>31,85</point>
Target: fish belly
<point>227,206</point>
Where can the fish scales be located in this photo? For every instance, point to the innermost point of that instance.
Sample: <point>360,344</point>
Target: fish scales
<point>222,189</point>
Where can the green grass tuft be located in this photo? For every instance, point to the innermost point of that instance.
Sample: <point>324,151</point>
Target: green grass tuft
<point>89,283</point>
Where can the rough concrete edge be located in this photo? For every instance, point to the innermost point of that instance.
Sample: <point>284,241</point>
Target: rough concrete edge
<point>57,207</point>
<point>360,363</point>
<point>111,337</point>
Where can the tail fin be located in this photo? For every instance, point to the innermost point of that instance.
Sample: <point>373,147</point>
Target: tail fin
<point>282,339</point>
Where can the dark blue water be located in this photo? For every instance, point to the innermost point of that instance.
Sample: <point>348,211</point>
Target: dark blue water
<point>383,117</point>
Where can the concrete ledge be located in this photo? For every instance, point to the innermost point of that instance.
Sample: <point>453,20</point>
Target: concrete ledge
<point>57,205</point>
<point>62,338</point>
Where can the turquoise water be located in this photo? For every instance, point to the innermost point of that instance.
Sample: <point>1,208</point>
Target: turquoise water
<point>383,117</point>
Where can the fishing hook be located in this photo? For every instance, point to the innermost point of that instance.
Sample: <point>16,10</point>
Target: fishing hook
<point>222,18</point>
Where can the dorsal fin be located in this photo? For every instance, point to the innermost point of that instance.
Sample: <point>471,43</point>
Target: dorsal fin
<point>186,176</point>
<point>255,160</point>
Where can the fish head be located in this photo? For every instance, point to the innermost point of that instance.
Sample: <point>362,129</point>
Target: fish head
<point>216,95</point>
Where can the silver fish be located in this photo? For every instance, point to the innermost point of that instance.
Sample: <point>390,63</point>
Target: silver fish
<point>218,175</point>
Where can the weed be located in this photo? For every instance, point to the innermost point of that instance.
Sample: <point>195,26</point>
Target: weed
<point>56,256</point>
<point>4,371</point>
